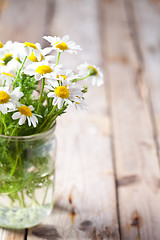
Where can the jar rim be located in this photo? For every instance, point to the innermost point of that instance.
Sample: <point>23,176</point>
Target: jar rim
<point>33,136</point>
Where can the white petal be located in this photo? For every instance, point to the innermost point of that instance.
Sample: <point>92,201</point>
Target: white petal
<point>38,115</point>
<point>30,72</point>
<point>51,94</point>
<point>65,38</point>
<point>46,51</point>
<point>37,54</point>
<point>49,87</point>
<point>38,76</point>
<point>34,120</point>
<point>16,115</point>
<point>55,101</point>
<point>48,38</point>
<point>3,109</point>
<point>31,107</point>
<point>60,103</point>
<point>29,122</point>
<point>22,120</point>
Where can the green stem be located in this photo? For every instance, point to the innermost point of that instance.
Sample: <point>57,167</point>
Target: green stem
<point>5,126</point>
<point>79,79</point>
<point>59,112</point>
<point>18,73</point>
<point>1,123</point>
<point>58,56</point>
<point>13,131</point>
<point>42,90</point>
<point>34,199</point>
<point>49,115</point>
<point>4,83</point>
<point>23,202</point>
<point>14,168</point>
<point>45,194</point>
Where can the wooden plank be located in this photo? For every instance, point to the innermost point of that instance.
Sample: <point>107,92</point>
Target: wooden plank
<point>23,20</point>
<point>148,23</point>
<point>85,206</point>
<point>135,149</point>
<point>11,235</point>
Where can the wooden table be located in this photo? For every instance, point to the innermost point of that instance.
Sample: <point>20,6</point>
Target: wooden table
<point>108,181</point>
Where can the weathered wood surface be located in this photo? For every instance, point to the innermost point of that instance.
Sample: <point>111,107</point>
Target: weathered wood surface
<point>134,144</point>
<point>107,182</point>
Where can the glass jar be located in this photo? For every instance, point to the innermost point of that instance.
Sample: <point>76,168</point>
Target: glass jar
<point>27,175</point>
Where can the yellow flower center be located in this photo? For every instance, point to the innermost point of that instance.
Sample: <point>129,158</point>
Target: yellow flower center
<point>34,59</point>
<point>8,57</point>
<point>64,76</point>
<point>93,71</point>
<point>44,69</point>
<point>62,46</point>
<point>32,45</point>
<point>8,74</point>
<point>4,97</point>
<point>62,92</point>
<point>24,110</point>
<point>1,45</point>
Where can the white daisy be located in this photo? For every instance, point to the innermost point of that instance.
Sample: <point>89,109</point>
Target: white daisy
<point>82,104</point>
<point>6,77</point>
<point>65,93</point>
<point>35,48</point>
<point>9,100</point>
<point>61,74</point>
<point>5,58</point>
<point>43,52</point>
<point>24,113</point>
<point>12,55</point>
<point>12,50</point>
<point>63,44</point>
<point>14,64</point>
<point>95,75</point>
<point>39,69</point>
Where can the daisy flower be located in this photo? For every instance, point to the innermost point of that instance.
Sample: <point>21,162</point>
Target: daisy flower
<point>65,93</point>
<point>6,57</point>
<point>82,104</point>
<point>43,53</point>
<point>9,100</point>
<point>14,64</point>
<point>39,69</point>
<point>35,48</point>
<point>95,75</point>
<point>6,77</point>
<point>24,113</point>
<point>13,55</point>
<point>61,74</point>
<point>63,44</point>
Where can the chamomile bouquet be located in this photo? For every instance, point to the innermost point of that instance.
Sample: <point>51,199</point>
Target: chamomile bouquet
<point>34,90</point>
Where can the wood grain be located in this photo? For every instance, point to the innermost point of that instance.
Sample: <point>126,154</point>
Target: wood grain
<point>11,235</point>
<point>135,149</point>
